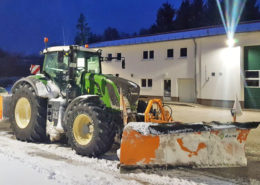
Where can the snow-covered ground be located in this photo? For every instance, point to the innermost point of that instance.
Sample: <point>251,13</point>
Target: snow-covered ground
<point>29,163</point>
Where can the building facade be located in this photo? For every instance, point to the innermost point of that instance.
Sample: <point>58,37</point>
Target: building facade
<point>191,66</point>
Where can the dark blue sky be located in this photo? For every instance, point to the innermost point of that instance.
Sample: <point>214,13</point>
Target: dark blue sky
<point>24,23</point>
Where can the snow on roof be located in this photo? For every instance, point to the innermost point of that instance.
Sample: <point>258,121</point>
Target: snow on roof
<point>188,34</point>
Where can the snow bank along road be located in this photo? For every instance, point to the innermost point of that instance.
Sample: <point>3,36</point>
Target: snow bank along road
<point>29,163</point>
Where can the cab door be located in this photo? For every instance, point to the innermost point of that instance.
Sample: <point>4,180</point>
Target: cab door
<point>56,67</point>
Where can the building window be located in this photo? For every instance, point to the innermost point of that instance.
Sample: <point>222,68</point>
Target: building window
<point>118,56</point>
<point>146,56</point>
<point>109,57</point>
<point>252,78</point>
<point>150,82</point>
<point>183,52</point>
<point>151,53</point>
<point>143,82</point>
<point>170,53</point>
<point>147,82</point>
<point>252,83</point>
<point>252,74</point>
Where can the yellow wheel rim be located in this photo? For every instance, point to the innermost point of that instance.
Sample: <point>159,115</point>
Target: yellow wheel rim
<point>83,129</point>
<point>23,113</point>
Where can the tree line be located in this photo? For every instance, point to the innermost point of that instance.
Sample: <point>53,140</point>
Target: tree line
<point>190,14</point>
<point>12,64</point>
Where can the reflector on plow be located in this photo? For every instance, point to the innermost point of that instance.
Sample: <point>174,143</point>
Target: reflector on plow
<point>202,145</point>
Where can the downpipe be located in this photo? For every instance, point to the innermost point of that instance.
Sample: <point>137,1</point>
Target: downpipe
<point>195,68</point>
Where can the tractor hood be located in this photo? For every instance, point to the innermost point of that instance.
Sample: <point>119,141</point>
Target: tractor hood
<point>130,90</point>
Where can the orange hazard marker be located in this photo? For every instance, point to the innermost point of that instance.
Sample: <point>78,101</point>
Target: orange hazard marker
<point>46,39</point>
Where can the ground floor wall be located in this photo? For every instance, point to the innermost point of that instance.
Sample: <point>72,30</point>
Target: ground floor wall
<point>221,70</point>
<point>218,69</point>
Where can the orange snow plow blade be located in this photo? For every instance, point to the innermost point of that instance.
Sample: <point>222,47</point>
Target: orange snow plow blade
<point>177,144</point>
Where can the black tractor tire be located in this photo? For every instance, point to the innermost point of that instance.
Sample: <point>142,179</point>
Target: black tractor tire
<point>35,128</point>
<point>101,122</point>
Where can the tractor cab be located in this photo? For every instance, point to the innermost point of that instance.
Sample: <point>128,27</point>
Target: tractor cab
<point>64,63</point>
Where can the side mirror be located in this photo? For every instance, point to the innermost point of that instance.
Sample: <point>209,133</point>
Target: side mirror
<point>123,64</point>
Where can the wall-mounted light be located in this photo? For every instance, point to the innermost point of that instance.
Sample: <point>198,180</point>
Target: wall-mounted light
<point>231,42</point>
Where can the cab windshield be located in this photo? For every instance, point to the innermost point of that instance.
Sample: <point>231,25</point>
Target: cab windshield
<point>88,61</point>
<point>56,65</point>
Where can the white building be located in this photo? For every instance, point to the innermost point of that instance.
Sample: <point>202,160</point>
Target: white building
<point>192,66</point>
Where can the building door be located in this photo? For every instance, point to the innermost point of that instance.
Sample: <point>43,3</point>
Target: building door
<point>167,89</point>
<point>186,90</point>
<point>252,77</point>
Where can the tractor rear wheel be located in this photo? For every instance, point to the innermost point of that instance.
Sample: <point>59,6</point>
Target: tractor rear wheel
<point>90,129</point>
<point>29,114</point>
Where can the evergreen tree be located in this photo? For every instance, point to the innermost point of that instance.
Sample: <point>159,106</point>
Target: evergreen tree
<point>164,20</point>
<point>83,31</point>
<point>153,29</point>
<point>3,53</point>
<point>183,18</point>
<point>197,14</point>
<point>251,11</point>
<point>144,31</point>
<point>94,38</point>
<point>212,13</point>
<point>110,34</point>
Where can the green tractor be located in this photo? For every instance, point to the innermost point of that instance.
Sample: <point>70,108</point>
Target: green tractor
<point>72,98</point>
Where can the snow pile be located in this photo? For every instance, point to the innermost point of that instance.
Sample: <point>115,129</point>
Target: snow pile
<point>146,128</point>
<point>29,163</point>
<point>140,127</point>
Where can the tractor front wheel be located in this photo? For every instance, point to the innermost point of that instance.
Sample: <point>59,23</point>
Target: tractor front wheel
<point>90,129</point>
<point>29,114</point>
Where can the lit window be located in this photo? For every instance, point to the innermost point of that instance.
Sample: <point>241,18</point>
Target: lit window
<point>183,52</point>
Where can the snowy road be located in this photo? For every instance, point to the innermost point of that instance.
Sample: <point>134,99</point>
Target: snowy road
<point>29,163</point>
